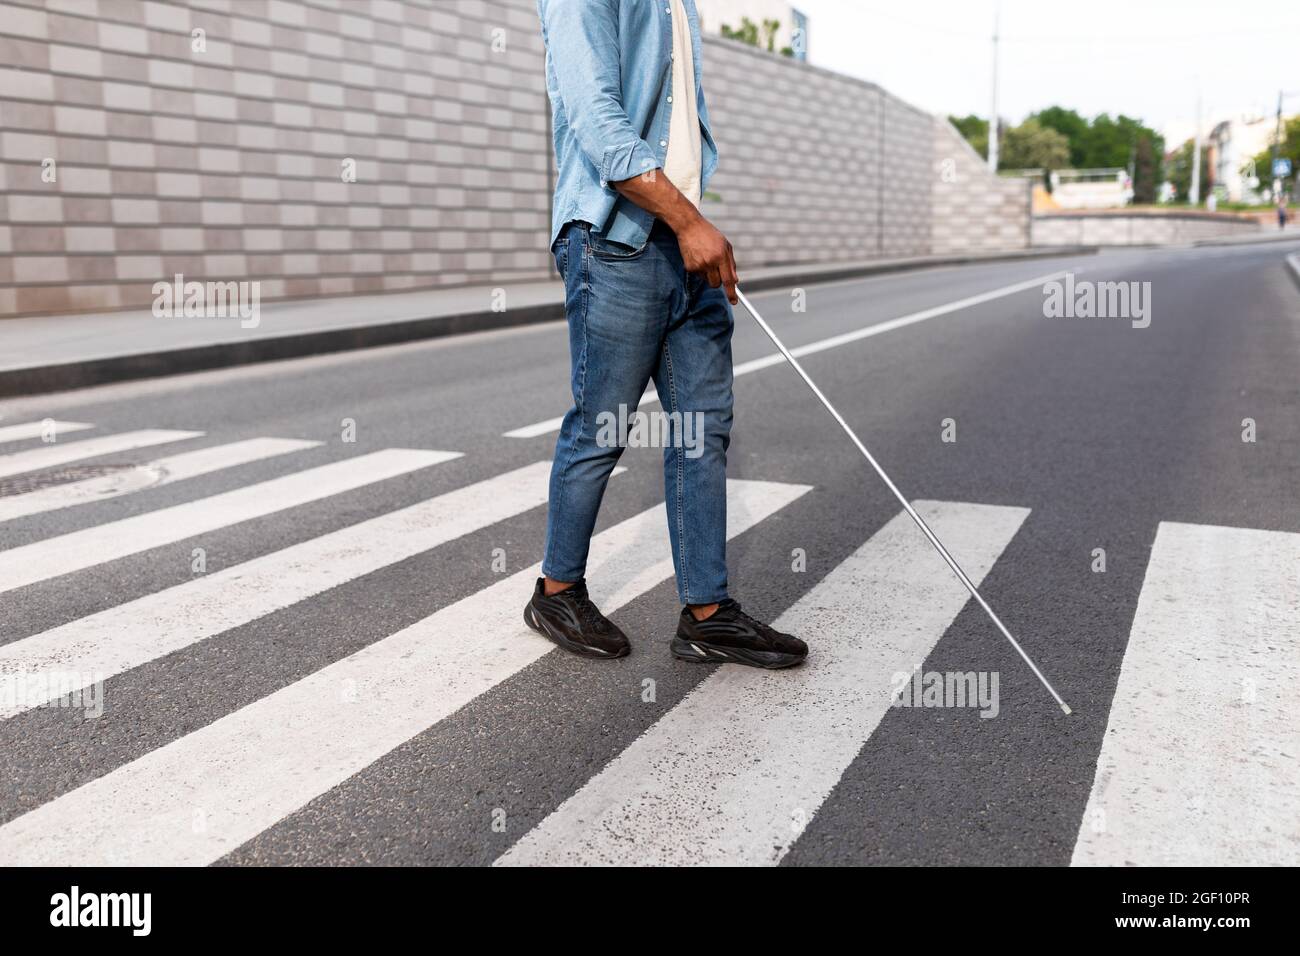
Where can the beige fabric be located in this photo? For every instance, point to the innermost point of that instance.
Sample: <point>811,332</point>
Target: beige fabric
<point>684,164</point>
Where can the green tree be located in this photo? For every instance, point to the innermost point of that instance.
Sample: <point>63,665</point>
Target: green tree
<point>1033,146</point>
<point>1105,144</point>
<point>1146,171</point>
<point>1290,149</point>
<point>1111,142</point>
<point>1070,125</point>
<point>748,33</point>
<point>974,130</point>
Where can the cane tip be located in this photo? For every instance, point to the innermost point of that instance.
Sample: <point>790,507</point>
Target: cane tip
<point>1066,707</point>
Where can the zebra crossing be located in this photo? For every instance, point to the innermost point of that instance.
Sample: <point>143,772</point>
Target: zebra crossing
<point>1202,735</point>
<point>715,803</point>
<point>151,474</point>
<point>61,453</point>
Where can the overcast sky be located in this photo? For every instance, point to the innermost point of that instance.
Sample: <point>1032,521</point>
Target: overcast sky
<point>1139,57</point>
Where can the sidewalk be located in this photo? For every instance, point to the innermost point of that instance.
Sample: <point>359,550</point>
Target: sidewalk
<point>52,353</point>
<point>1269,234</point>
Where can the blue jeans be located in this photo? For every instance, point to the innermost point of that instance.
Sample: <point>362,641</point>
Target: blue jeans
<point>635,315</point>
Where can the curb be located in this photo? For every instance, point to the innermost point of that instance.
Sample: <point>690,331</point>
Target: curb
<point>1247,241</point>
<point>120,368</point>
<point>766,283</point>
<point>1293,266</point>
<point>36,380</point>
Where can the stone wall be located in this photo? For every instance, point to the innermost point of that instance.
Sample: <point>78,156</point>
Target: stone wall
<point>227,162</point>
<point>1126,229</point>
<point>140,139</point>
<point>974,211</point>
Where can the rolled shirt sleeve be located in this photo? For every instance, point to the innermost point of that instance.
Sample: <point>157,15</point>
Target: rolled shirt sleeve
<point>630,159</point>
<point>583,38</point>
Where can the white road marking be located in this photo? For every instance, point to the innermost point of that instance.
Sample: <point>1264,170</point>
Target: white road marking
<point>60,453</point>
<point>1200,765</point>
<point>78,550</point>
<point>255,766</point>
<point>553,424</point>
<point>38,429</point>
<point>822,345</point>
<point>729,774</point>
<point>131,634</point>
<point>152,474</point>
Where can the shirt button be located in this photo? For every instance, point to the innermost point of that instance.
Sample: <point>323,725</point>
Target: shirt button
<point>668,10</point>
<point>670,99</point>
<point>663,142</point>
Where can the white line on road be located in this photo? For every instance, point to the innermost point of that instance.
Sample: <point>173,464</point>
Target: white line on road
<point>1199,765</point>
<point>152,474</point>
<point>77,550</point>
<point>39,430</point>
<point>822,345</point>
<point>255,766</point>
<point>727,775</point>
<point>131,634</point>
<point>60,453</point>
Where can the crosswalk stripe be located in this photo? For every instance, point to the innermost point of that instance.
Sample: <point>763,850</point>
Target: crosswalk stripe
<point>39,429</point>
<point>822,345</point>
<point>199,797</point>
<point>553,424</point>
<point>153,474</point>
<point>117,539</point>
<point>1199,763</point>
<point>649,397</point>
<point>60,453</point>
<point>128,635</point>
<point>728,774</point>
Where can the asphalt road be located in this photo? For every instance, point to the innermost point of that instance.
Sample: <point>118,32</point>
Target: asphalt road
<point>1102,431</point>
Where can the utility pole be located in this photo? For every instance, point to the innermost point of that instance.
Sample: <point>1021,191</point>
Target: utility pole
<point>1194,193</point>
<point>993,112</point>
<point>1277,146</point>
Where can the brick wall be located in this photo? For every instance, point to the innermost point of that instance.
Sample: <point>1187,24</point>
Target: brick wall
<point>228,163</point>
<point>974,211</point>
<point>1119,229</point>
<point>225,163</point>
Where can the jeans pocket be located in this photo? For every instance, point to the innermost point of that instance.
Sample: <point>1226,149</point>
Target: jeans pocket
<point>606,251</point>
<point>561,252</point>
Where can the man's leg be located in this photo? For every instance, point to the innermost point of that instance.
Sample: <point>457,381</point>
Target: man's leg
<point>616,312</point>
<point>617,306</point>
<point>694,383</point>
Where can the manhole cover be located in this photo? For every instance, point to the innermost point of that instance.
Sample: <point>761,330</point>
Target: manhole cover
<point>21,484</point>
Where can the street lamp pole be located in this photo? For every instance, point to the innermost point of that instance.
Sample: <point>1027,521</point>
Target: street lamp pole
<point>1277,146</point>
<point>993,112</point>
<point>1194,193</point>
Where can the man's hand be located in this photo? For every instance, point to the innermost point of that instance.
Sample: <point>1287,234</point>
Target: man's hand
<point>705,250</point>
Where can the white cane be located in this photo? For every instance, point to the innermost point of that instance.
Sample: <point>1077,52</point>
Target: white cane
<point>920,522</point>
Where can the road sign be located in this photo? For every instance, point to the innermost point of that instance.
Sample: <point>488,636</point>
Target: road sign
<point>1281,167</point>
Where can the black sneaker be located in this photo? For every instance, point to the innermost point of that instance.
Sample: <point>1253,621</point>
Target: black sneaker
<point>570,619</point>
<point>731,635</point>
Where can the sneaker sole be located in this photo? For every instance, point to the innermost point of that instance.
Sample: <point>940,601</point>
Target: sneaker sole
<point>697,652</point>
<point>538,624</point>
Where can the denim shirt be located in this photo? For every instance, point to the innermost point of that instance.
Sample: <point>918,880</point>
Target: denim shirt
<point>609,77</point>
